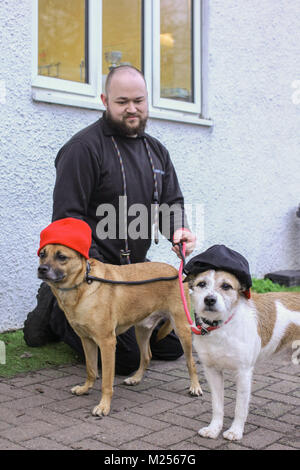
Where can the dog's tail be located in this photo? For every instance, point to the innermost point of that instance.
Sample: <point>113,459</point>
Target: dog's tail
<point>164,330</point>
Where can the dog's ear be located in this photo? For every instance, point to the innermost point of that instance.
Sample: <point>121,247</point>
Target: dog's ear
<point>190,279</point>
<point>245,291</point>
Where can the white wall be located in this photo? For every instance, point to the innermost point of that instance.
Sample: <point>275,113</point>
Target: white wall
<point>245,170</point>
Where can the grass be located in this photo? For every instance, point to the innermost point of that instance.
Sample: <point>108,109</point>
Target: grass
<point>21,358</point>
<point>266,285</point>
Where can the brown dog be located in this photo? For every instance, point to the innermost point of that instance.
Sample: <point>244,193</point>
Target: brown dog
<point>98,312</point>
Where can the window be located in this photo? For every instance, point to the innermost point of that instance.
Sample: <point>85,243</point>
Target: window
<point>76,42</point>
<point>62,51</point>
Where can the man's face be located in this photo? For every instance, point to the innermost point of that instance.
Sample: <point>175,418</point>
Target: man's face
<point>126,103</point>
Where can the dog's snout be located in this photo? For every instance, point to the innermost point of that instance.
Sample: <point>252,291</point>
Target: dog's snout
<point>210,300</point>
<point>43,269</point>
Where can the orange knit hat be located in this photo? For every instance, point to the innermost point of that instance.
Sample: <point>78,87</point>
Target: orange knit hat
<point>74,233</point>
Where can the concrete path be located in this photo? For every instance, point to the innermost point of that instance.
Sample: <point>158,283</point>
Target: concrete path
<point>37,411</point>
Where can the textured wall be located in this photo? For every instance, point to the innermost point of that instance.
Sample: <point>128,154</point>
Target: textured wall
<point>244,170</point>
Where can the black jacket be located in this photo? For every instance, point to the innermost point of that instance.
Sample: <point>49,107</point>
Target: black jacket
<point>88,174</point>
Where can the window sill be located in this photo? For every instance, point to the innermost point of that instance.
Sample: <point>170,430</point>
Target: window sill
<point>81,101</point>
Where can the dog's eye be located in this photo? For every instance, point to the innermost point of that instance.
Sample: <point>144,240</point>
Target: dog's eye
<point>226,286</point>
<point>61,257</point>
<point>201,284</point>
<point>42,254</point>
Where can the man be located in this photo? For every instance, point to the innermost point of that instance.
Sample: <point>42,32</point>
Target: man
<point>114,164</point>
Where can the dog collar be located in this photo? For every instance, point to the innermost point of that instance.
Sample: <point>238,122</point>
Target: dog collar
<point>215,325</point>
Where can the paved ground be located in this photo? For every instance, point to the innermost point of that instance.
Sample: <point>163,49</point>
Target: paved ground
<point>37,411</point>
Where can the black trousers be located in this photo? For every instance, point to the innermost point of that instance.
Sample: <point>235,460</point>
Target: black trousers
<point>127,350</point>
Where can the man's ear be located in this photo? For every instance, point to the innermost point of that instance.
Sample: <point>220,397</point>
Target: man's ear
<point>104,99</point>
<point>190,279</point>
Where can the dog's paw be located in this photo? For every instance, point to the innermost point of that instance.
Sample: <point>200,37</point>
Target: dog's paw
<point>195,390</point>
<point>210,431</point>
<point>233,434</point>
<point>132,381</point>
<point>80,390</point>
<point>101,410</point>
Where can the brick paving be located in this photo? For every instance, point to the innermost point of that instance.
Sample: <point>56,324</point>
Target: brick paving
<point>37,411</point>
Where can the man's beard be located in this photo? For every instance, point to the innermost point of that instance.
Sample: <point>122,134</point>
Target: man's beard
<point>122,128</point>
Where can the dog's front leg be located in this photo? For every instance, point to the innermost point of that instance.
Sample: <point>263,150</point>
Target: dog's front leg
<point>91,360</point>
<point>236,430</point>
<point>108,351</point>
<point>216,384</point>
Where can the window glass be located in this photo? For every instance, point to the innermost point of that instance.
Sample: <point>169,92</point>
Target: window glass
<point>176,65</point>
<point>62,39</point>
<point>121,34</point>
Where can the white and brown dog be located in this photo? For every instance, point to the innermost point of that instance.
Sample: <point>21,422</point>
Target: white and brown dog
<point>236,330</point>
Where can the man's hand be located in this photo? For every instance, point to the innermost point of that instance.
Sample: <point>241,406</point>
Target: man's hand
<point>184,235</point>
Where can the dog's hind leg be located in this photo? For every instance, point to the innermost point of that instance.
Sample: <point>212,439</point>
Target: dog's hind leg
<point>91,359</point>
<point>143,334</point>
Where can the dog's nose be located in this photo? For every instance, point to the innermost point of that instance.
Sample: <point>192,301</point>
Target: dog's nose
<point>43,269</point>
<point>210,300</point>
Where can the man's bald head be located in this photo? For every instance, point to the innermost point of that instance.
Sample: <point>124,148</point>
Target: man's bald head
<point>120,69</point>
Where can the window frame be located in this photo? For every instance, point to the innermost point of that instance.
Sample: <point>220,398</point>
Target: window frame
<point>87,95</point>
<point>167,103</point>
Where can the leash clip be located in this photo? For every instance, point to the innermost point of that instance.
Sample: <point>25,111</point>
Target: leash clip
<point>88,269</point>
<point>204,331</point>
<point>125,256</point>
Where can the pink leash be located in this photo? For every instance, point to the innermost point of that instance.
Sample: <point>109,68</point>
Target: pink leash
<point>194,328</point>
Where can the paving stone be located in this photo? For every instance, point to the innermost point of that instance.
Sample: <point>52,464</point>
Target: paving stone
<point>153,408</point>
<point>66,382</point>
<point>273,409</point>
<point>183,421</point>
<point>13,416</point>
<point>169,436</point>
<point>12,392</point>
<point>8,445</point>
<point>140,445</point>
<point>91,444</point>
<point>178,398</point>
<point>130,393</point>
<point>261,438</point>
<point>283,386</point>
<point>58,419</point>
<point>134,418</point>
<point>73,434</point>
<point>27,431</point>
<point>270,424</point>
<point>293,441</point>
<point>283,398</point>
<point>112,433</point>
<point>43,443</point>
<point>279,447</point>
<point>27,379</point>
<point>291,418</point>
<point>29,402</point>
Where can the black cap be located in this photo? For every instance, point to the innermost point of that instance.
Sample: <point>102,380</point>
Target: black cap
<point>219,257</point>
